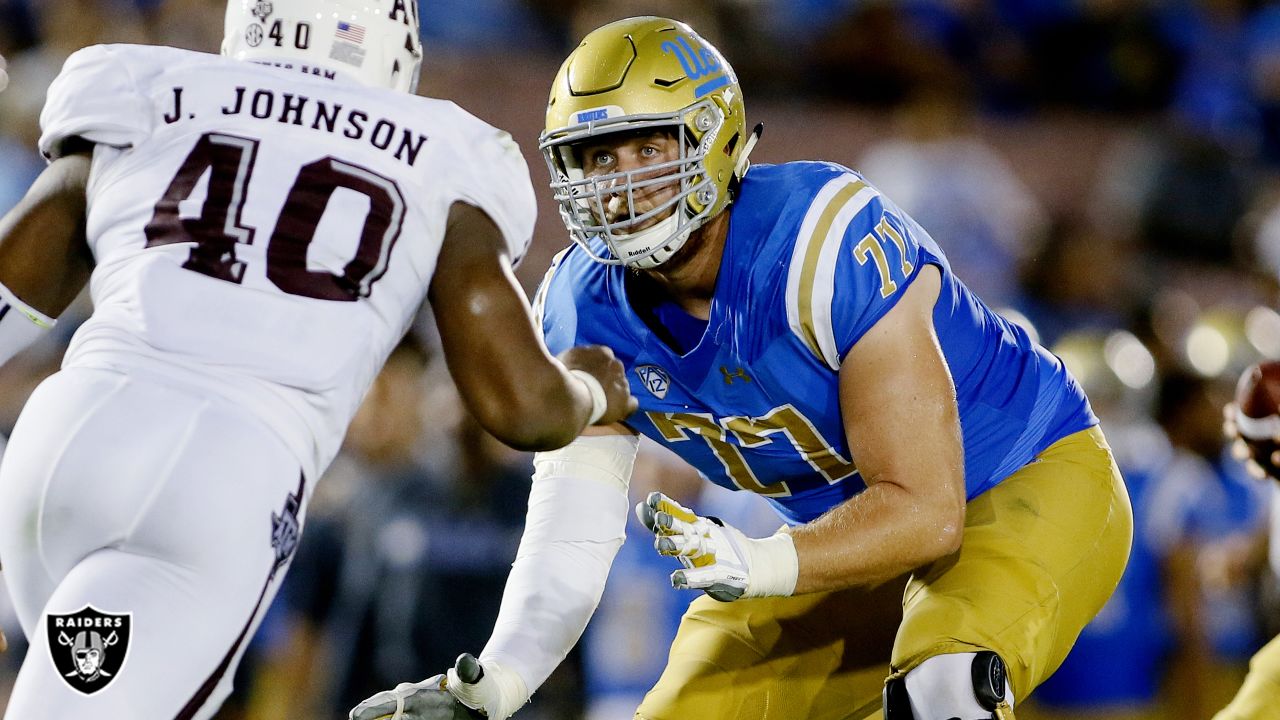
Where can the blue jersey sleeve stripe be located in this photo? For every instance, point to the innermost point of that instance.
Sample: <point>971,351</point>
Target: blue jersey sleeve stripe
<point>811,276</point>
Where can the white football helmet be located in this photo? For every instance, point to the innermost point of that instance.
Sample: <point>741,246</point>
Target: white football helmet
<point>375,42</point>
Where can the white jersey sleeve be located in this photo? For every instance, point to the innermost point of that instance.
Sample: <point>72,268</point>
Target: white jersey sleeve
<point>96,97</point>
<point>493,176</point>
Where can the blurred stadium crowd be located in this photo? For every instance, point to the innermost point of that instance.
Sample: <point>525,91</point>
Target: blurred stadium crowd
<point>1105,171</point>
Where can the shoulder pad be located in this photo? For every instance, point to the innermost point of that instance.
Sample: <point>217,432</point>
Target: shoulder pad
<point>853,255</point>
<point>490,172</point>
<point>95,97</point>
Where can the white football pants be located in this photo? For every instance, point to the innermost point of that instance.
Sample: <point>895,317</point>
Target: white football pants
<point>134,496</point>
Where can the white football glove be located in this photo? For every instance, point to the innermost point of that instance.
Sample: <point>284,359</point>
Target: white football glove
<point>426,700</point>
<point>717,558</point>
<point>467,692</point>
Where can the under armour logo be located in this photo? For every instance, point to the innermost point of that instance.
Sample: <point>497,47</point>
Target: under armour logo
<point>729,376</point>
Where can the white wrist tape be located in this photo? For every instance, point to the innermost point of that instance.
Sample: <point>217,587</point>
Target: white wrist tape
<point>774,565</point>
<point>499,693</point>
<point>20,324</point>
<point>576,522</point>
<point>599,401</point>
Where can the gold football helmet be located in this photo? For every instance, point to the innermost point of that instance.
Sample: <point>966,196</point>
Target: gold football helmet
<point>645,73</point>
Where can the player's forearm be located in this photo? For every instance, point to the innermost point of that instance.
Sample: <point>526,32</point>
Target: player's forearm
<point>874,537</point>
<point>44,260</point>
<point>534,408</point>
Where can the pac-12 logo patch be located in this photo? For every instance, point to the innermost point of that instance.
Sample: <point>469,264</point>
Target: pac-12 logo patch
<point>655,379</point>
<point>88,647</point>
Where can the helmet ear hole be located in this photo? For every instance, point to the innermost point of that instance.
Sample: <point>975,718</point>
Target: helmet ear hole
<point>733,143</point>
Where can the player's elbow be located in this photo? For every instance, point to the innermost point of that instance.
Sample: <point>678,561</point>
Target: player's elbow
<point>949,536</point>
<point>942,531</point>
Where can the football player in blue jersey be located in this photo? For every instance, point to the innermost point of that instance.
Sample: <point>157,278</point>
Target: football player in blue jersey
<point>791,332</point>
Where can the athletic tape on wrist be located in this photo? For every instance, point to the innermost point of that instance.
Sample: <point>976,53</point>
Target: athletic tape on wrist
<point>498,694</point>
<point>775,567</point>
<point>20,324</point>
<point>9,301</point>
<point>599,401</point>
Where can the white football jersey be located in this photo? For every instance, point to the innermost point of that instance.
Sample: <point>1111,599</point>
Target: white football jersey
<point>263,232</point>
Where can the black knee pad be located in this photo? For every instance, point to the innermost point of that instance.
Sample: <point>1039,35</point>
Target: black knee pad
<point>897,706</point>
<point>989,678</point>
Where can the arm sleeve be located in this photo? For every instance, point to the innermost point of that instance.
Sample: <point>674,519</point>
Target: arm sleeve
<point>493,176</point>
<point>97,98</point>
<point>853,257</point>
<point>574,527</point>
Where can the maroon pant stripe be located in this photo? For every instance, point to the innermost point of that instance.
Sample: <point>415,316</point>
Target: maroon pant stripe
<point>201,697</point>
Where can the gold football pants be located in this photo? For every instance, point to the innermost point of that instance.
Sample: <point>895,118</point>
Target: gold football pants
<point>1042,552</point>
<point>1259,697</point>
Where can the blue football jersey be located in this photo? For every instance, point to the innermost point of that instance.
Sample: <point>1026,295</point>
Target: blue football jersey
<point>814,257</point>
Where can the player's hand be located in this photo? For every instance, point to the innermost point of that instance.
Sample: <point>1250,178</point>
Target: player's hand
<point>426,700</point>
<point>599,362</point>
<point>4,83</point>
<point>717,558</point>
<point>1258,451</point>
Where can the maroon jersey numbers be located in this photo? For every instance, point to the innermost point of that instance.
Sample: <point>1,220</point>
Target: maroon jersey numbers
<point>229,160</point>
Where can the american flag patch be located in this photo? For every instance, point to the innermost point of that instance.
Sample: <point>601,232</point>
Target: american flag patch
<point>350,32</point>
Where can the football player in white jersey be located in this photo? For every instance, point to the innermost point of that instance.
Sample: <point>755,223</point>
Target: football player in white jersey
<point>258,231</point>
